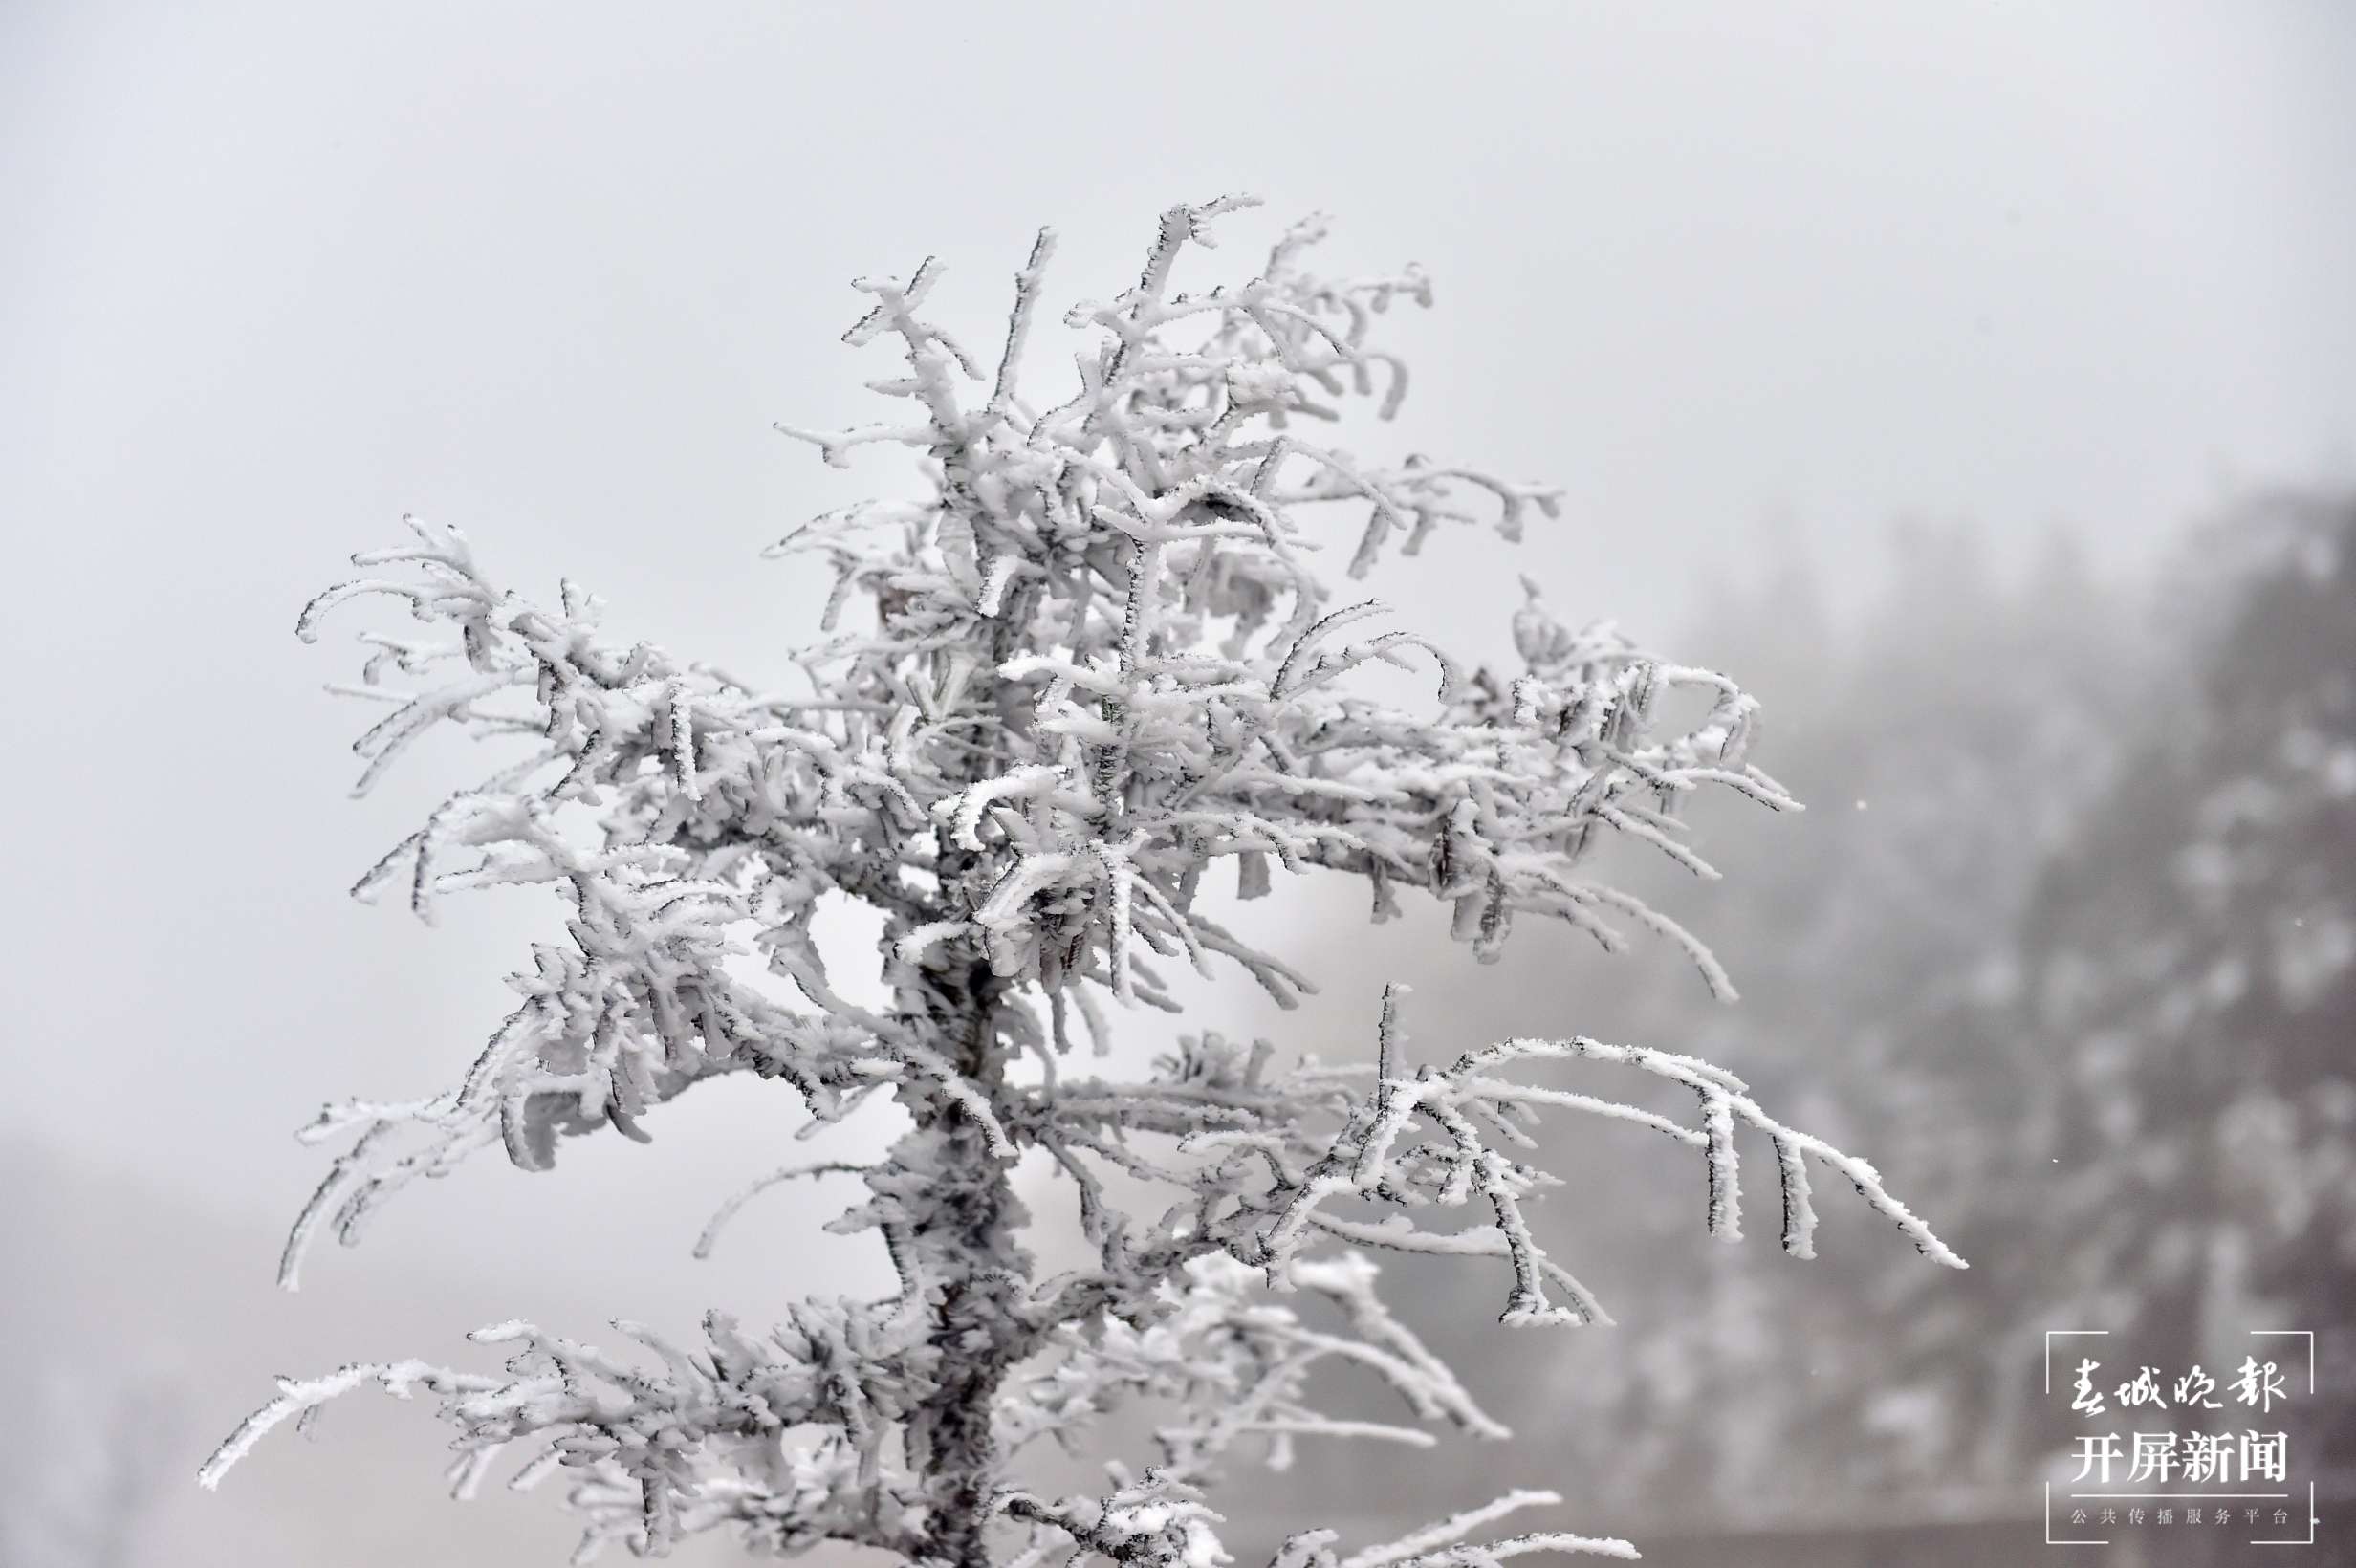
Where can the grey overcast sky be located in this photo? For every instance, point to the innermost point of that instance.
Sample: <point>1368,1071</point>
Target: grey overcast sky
<point>272,274</point>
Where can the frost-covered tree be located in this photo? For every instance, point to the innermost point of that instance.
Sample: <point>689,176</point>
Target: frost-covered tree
<point>1101,662</point>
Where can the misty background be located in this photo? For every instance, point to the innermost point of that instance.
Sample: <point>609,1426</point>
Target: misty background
<point>1977,384</point>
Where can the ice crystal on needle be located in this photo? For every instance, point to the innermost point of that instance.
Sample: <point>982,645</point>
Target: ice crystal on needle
<point>1099,662</point>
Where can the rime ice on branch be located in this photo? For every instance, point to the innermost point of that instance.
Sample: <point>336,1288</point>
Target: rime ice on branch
<point>1101,663</point>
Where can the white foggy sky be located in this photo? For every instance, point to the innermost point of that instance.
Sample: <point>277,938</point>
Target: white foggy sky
<point>271,274</point>
<point>276,274</point>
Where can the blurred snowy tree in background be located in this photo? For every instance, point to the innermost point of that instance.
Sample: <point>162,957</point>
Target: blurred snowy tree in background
<point>2191,970</point>
<point>85,1462</point>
